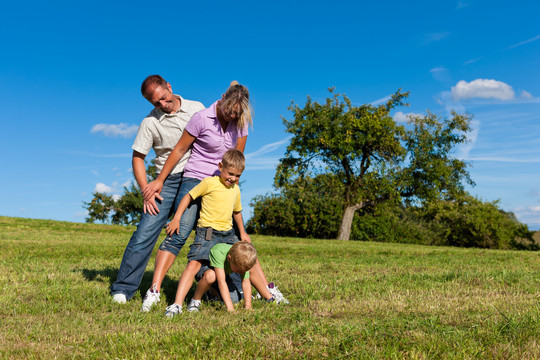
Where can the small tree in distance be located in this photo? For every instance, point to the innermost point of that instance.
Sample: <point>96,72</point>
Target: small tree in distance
<point>374,158</point>
<point>125,210</point>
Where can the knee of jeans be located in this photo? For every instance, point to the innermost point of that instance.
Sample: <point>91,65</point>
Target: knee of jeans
<point>171,245</point>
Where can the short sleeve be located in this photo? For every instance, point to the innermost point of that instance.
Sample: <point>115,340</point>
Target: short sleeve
<point>238,202</point>
<point>144,139</point>
<point>218,255</point>
<point>195,125</point>
<point>244,131</point>
<point>201,189</point>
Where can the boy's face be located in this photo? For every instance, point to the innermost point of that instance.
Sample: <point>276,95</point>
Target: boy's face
<point>234,267</point>
<point>229,175</point>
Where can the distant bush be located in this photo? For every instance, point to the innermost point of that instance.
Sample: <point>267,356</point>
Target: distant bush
<point>470,222</point>
<point>394,223</point>
<point>310,211</point>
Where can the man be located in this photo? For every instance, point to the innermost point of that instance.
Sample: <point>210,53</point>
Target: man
<point>160,130</point>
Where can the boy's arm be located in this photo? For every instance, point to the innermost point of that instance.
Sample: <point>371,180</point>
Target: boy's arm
<point>237,216</point>
<point>174,225</point>
<point>223,288</point>
<point>246,287</point>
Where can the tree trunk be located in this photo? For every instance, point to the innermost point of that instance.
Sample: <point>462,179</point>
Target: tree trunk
<point>346,222</point>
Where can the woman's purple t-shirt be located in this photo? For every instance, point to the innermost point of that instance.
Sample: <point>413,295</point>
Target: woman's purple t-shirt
<point>210,144</point>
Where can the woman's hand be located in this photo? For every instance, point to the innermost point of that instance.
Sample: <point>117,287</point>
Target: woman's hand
<point>152,190</point>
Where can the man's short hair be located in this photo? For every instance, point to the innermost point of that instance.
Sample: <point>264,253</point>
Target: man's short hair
<point>155,80</point>
<point>235,159</point>
<point>243,255</point>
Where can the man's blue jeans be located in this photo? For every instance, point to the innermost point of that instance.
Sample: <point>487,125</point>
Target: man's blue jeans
<point>143,240</point>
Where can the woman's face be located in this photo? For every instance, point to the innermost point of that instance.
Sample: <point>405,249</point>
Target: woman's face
<point>230,114</point>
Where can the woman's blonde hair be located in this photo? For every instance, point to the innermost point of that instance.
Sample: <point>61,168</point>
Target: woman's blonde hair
<point>238,94</point>
<point>243,255</point>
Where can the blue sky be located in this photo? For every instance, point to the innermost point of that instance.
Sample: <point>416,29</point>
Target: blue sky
<point>70,74</point>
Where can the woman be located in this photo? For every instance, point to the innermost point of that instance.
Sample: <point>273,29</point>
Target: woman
<point>210,132</point>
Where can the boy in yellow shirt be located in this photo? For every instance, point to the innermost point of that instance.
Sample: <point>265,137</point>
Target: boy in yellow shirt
<point>220,202</point>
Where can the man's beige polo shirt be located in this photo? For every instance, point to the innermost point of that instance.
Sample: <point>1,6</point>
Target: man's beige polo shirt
<point>162,131</point>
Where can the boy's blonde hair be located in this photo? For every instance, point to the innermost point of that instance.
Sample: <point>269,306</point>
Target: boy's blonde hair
<point>238,94</point>
<point>234,158</point>
<point>243,255</point>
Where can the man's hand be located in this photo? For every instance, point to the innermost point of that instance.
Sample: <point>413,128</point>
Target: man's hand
<point>150,206</point>
<point>153,188</point>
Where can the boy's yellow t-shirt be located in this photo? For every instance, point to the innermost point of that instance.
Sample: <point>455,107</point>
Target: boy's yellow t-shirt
<point>217,204</point>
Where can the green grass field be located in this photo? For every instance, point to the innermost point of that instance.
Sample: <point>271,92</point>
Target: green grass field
<point>349,300</point>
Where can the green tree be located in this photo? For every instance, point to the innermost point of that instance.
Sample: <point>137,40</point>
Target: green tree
<point>295,211</point>
<point>125,210</point>
<point>374,158</point>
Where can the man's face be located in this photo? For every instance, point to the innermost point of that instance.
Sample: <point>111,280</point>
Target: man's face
<point>162,98</point>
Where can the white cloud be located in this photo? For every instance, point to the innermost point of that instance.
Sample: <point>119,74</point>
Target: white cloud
<point>482,88</point>
<point>80,214</point>
<point>537,37</point>
<point>268,148</point>
<point>525,94</point>
<point>461,5</point>
<point>381,101</point>
<point>504,159</point>
<point>440,74</point>
<point>102,188</point>
<point>114,130</point>
<point>401,117</point>
<point>530,216</point>
<point>472,60</point>
<point>112,190</point>
<point>262,163</point>
<point>464,149</point>
<point>434,37</point>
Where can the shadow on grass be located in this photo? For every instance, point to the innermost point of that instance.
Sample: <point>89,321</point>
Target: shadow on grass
<point>109,274</point>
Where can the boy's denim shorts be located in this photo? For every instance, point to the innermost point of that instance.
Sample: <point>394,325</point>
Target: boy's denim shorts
<point>200,249</point>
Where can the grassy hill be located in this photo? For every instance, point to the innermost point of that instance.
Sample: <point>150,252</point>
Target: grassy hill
<point>348,300</point>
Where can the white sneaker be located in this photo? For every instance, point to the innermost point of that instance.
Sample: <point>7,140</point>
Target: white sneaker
<point>194,305</point>
<point>278,296</point>
<point>119,298</point>
<point>150,299</point>
<point>173,310</point>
